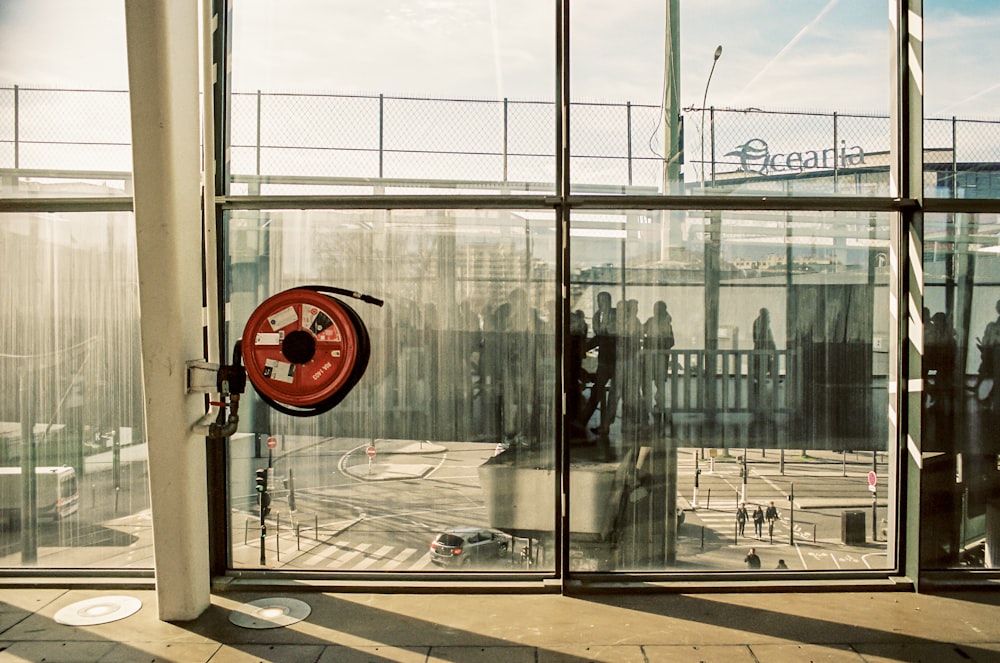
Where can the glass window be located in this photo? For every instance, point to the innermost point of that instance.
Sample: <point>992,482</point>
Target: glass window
<point>442,455</point>
<point>961,363</point>
<point>73,471</point>
<point>73,415</point>
<point>393,97</point>
<point>961,133</point>
<point>720,359</point>
<point>64,114</point>
<point>780,98</point>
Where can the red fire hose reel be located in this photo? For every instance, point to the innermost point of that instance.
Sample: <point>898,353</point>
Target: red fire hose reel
<point>304,350</point>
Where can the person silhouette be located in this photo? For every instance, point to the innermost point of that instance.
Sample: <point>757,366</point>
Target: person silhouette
<point>657,340</point>
<point>605,340</point>
<point>762,359</point>
<point>989,367</point>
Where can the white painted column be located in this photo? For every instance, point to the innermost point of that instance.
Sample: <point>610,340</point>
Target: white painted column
<point>163,81</point>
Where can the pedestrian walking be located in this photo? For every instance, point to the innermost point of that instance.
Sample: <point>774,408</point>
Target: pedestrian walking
<point>741,518</point>
<point>772,516</point>
<point>758,522</point>
<point>752,560</point>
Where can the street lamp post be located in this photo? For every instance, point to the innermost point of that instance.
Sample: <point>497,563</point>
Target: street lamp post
<point>704,100</point>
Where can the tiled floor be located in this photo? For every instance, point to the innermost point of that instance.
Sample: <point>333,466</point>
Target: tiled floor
<point>534,628</point>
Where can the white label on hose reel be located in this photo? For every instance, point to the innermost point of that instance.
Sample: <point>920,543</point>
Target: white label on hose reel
<point>279,370</point>
<point>269,338</point>
<point>283,318</point>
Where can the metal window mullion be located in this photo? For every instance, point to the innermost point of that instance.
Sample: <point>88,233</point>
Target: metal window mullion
<point>562,139</point>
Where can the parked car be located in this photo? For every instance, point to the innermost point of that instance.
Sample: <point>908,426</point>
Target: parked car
<point>462,546</point>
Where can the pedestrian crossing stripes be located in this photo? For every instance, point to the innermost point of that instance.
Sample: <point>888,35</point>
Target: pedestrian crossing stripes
<point>347,556</point>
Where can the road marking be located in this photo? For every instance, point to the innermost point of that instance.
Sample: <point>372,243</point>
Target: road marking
<point>802,558</point>
<point>423,562</point>
<point>319,557</point>
<point>400,558</point>
<point>374,557</point>
<point>340,561</point>
<point>864,558</point>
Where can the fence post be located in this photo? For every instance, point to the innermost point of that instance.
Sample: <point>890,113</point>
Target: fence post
<point>628,133</point>
<point>711,128</point>
<point>836,164</point>
<point>381,133</point>
<point>258,141</point>
<point>505,128</point>
<point>17,125</point>
<point>954,157</point>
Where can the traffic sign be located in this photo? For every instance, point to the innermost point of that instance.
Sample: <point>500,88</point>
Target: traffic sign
<point>872,478</point>
<point>272,442</point>
<point>371,451</point>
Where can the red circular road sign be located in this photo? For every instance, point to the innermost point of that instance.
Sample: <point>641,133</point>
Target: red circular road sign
<point>872,478</point>
<point>371,451</point>
<point>272,442</point>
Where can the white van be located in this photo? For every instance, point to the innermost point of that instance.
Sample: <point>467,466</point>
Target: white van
<point>56,491</point>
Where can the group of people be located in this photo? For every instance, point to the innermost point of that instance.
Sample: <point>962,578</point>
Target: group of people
<point>759,516</point>
<point>633,366</point>
<point>752,560</point>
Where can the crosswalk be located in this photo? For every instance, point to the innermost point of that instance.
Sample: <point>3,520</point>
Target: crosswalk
<point>721,519</point>
<point>348,556</point>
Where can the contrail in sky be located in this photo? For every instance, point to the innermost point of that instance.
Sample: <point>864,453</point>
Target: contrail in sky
<point>790,44</point>
<point>958,104</point>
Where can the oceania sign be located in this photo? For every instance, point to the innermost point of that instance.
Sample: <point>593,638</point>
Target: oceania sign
<point>755,157</point>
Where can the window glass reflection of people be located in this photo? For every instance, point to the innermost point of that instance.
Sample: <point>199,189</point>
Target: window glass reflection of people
<point>520,330</point>
<point>604,339</point>
<point>762,359</point>
<point>576,348</point>
<point>940,350</point>
<point>989,368</point>
<point>625,385</point>
<point>658,339</point>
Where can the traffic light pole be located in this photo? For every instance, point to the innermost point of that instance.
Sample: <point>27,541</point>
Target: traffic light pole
<point>791,515</point>
<point>264,500</point>
<point>263,531</point>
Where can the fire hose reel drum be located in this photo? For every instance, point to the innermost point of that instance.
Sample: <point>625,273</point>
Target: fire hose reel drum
<point>305,350</point>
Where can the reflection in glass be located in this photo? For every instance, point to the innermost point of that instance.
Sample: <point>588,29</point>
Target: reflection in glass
<point>961,366</point>
<point>747,364</point>
<point>72,415</point>
<point>961,134</point>
<point>448,438</point>
<point>667,98</point>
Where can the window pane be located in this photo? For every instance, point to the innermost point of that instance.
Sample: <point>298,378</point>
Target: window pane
<point>961,364</point>
<point>786,98</point>
<point>722,359</point>
<point>451,428</point>
<point>70,360</point>
<point>961,134</point>
<point>64,115</point>
<point>393,97</point>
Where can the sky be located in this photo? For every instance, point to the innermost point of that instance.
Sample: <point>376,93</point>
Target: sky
<point>777,54</point>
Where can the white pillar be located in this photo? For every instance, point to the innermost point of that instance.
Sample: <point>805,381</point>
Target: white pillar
<point>162,38</point>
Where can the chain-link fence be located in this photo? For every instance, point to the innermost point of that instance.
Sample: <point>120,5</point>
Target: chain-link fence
<point>333,143</point>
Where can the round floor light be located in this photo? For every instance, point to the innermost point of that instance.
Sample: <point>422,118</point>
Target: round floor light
<point>98,610</point>
<point>270,613</point>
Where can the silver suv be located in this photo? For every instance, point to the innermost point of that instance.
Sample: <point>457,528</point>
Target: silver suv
<point>462,546</point>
